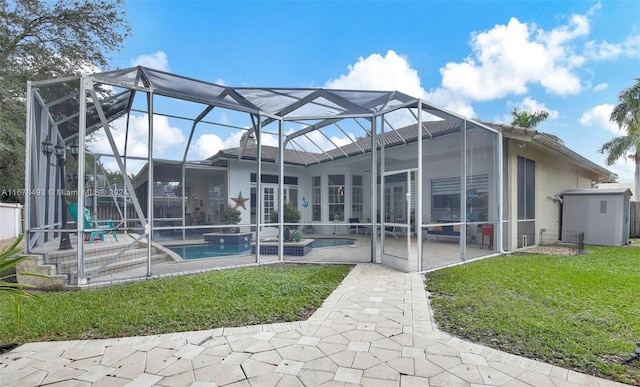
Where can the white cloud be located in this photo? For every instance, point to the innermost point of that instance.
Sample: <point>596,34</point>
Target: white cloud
<point>603,50</point>
<point>632,46</point>
<point>156,61</point>
<point>164,137</point>
<point>208,145</point>
<point>451,101</point>
<point>378,72</point>
<point>625,169</point>
<point>601,86</point>
<point>598,117</point>
<point>531,105</point>
<point>527,104</point>
<point>508,58</point>
<point>394,72</point>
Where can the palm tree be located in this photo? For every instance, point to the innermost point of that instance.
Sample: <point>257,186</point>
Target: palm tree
<point>525,119</point>
<point>627,115</point>
<point>529,120</point>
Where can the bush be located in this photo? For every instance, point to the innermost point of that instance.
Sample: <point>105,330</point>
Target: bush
<point>230,216</point>
<point>291,214</point>
<point>9,259</point>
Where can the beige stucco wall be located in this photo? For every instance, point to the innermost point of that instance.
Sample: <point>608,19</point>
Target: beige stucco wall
<point>555,173</point>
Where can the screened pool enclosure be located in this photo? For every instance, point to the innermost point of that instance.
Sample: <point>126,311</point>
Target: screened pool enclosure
<point>163,156</point>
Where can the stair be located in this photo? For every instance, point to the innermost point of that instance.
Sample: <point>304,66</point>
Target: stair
<point>65,263</point>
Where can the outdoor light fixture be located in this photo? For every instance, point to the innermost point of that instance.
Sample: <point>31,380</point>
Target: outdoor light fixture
<point>74,149</point>
<point>48,149</point>
<point>60,151</point>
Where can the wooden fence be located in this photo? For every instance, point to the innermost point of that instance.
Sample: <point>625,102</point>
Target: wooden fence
<point>634,220</point>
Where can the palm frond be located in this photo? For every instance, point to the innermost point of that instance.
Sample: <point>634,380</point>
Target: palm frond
<point>10,258</point>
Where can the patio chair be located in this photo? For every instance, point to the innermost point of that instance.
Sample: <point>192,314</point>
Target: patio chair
<point>355,227</point>
<point>99,226</point>
<point>391,230</point>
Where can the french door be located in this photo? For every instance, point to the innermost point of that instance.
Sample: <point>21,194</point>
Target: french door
<point>270,200</point>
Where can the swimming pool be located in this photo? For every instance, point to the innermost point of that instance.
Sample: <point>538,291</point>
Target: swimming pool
<point>210,251</point>
<point>222,250</point>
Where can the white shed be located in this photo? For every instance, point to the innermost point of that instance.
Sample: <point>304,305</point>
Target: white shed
<point>602,214</point>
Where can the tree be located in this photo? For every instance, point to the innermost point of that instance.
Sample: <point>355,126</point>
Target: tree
<point>41,39</point>
<point>627,115</point>
<point>530,120</point>
<point>525,119</point>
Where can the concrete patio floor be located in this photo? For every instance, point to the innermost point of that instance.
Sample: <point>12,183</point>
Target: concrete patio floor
<point>375,329</point>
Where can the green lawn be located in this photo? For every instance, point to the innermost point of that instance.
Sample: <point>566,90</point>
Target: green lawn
<point>578,312</point>
<point>224,298</point>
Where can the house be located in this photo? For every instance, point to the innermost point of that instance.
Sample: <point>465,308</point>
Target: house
<point>422,178</point>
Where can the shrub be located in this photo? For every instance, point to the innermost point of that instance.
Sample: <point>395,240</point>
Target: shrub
<point>9,259</point>
<point>230,216</point>
<point>291,214</point>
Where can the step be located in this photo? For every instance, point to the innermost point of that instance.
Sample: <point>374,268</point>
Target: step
<point>70,266</point>
<point>56,257</point>
<point>121,266</point>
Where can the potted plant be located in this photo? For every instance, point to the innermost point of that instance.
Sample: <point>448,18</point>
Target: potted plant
<point>231,216</point>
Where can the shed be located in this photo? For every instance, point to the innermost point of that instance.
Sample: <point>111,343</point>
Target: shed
<point>602,214</point>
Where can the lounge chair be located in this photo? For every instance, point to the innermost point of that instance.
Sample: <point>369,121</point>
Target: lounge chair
<point>99,226</point>
<point>391,230</point>
<point>355,227</point>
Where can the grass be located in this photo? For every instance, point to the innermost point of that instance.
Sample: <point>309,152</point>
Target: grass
<point>576,312</point>
<point>225,298</point>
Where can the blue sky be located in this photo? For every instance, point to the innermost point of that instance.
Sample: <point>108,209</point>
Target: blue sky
<point>477,58</point>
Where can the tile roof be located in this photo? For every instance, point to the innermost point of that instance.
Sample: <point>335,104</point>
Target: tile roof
<point>359,146</point>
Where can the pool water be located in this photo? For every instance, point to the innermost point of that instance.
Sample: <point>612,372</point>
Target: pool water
<point>210,251</point>
<point>222,250</point>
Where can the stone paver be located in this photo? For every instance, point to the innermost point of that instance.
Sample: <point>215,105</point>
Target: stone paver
<point>375,329</point>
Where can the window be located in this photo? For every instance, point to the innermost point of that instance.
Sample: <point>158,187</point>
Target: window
<point>526,188</point>
<point>336,197</point>
<point>316,199</point>
<point>356,197</point>
<point>526,202</point>
<point>603,207</point>
<point>268,203</point>
<point>273,179</point>
<point>271,194</point>
<point>445,198</point>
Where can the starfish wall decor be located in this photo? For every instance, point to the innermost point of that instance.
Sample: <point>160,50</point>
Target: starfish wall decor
<point>240,201</point>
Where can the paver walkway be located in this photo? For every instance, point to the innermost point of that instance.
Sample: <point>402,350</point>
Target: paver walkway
<point>374,330</point>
